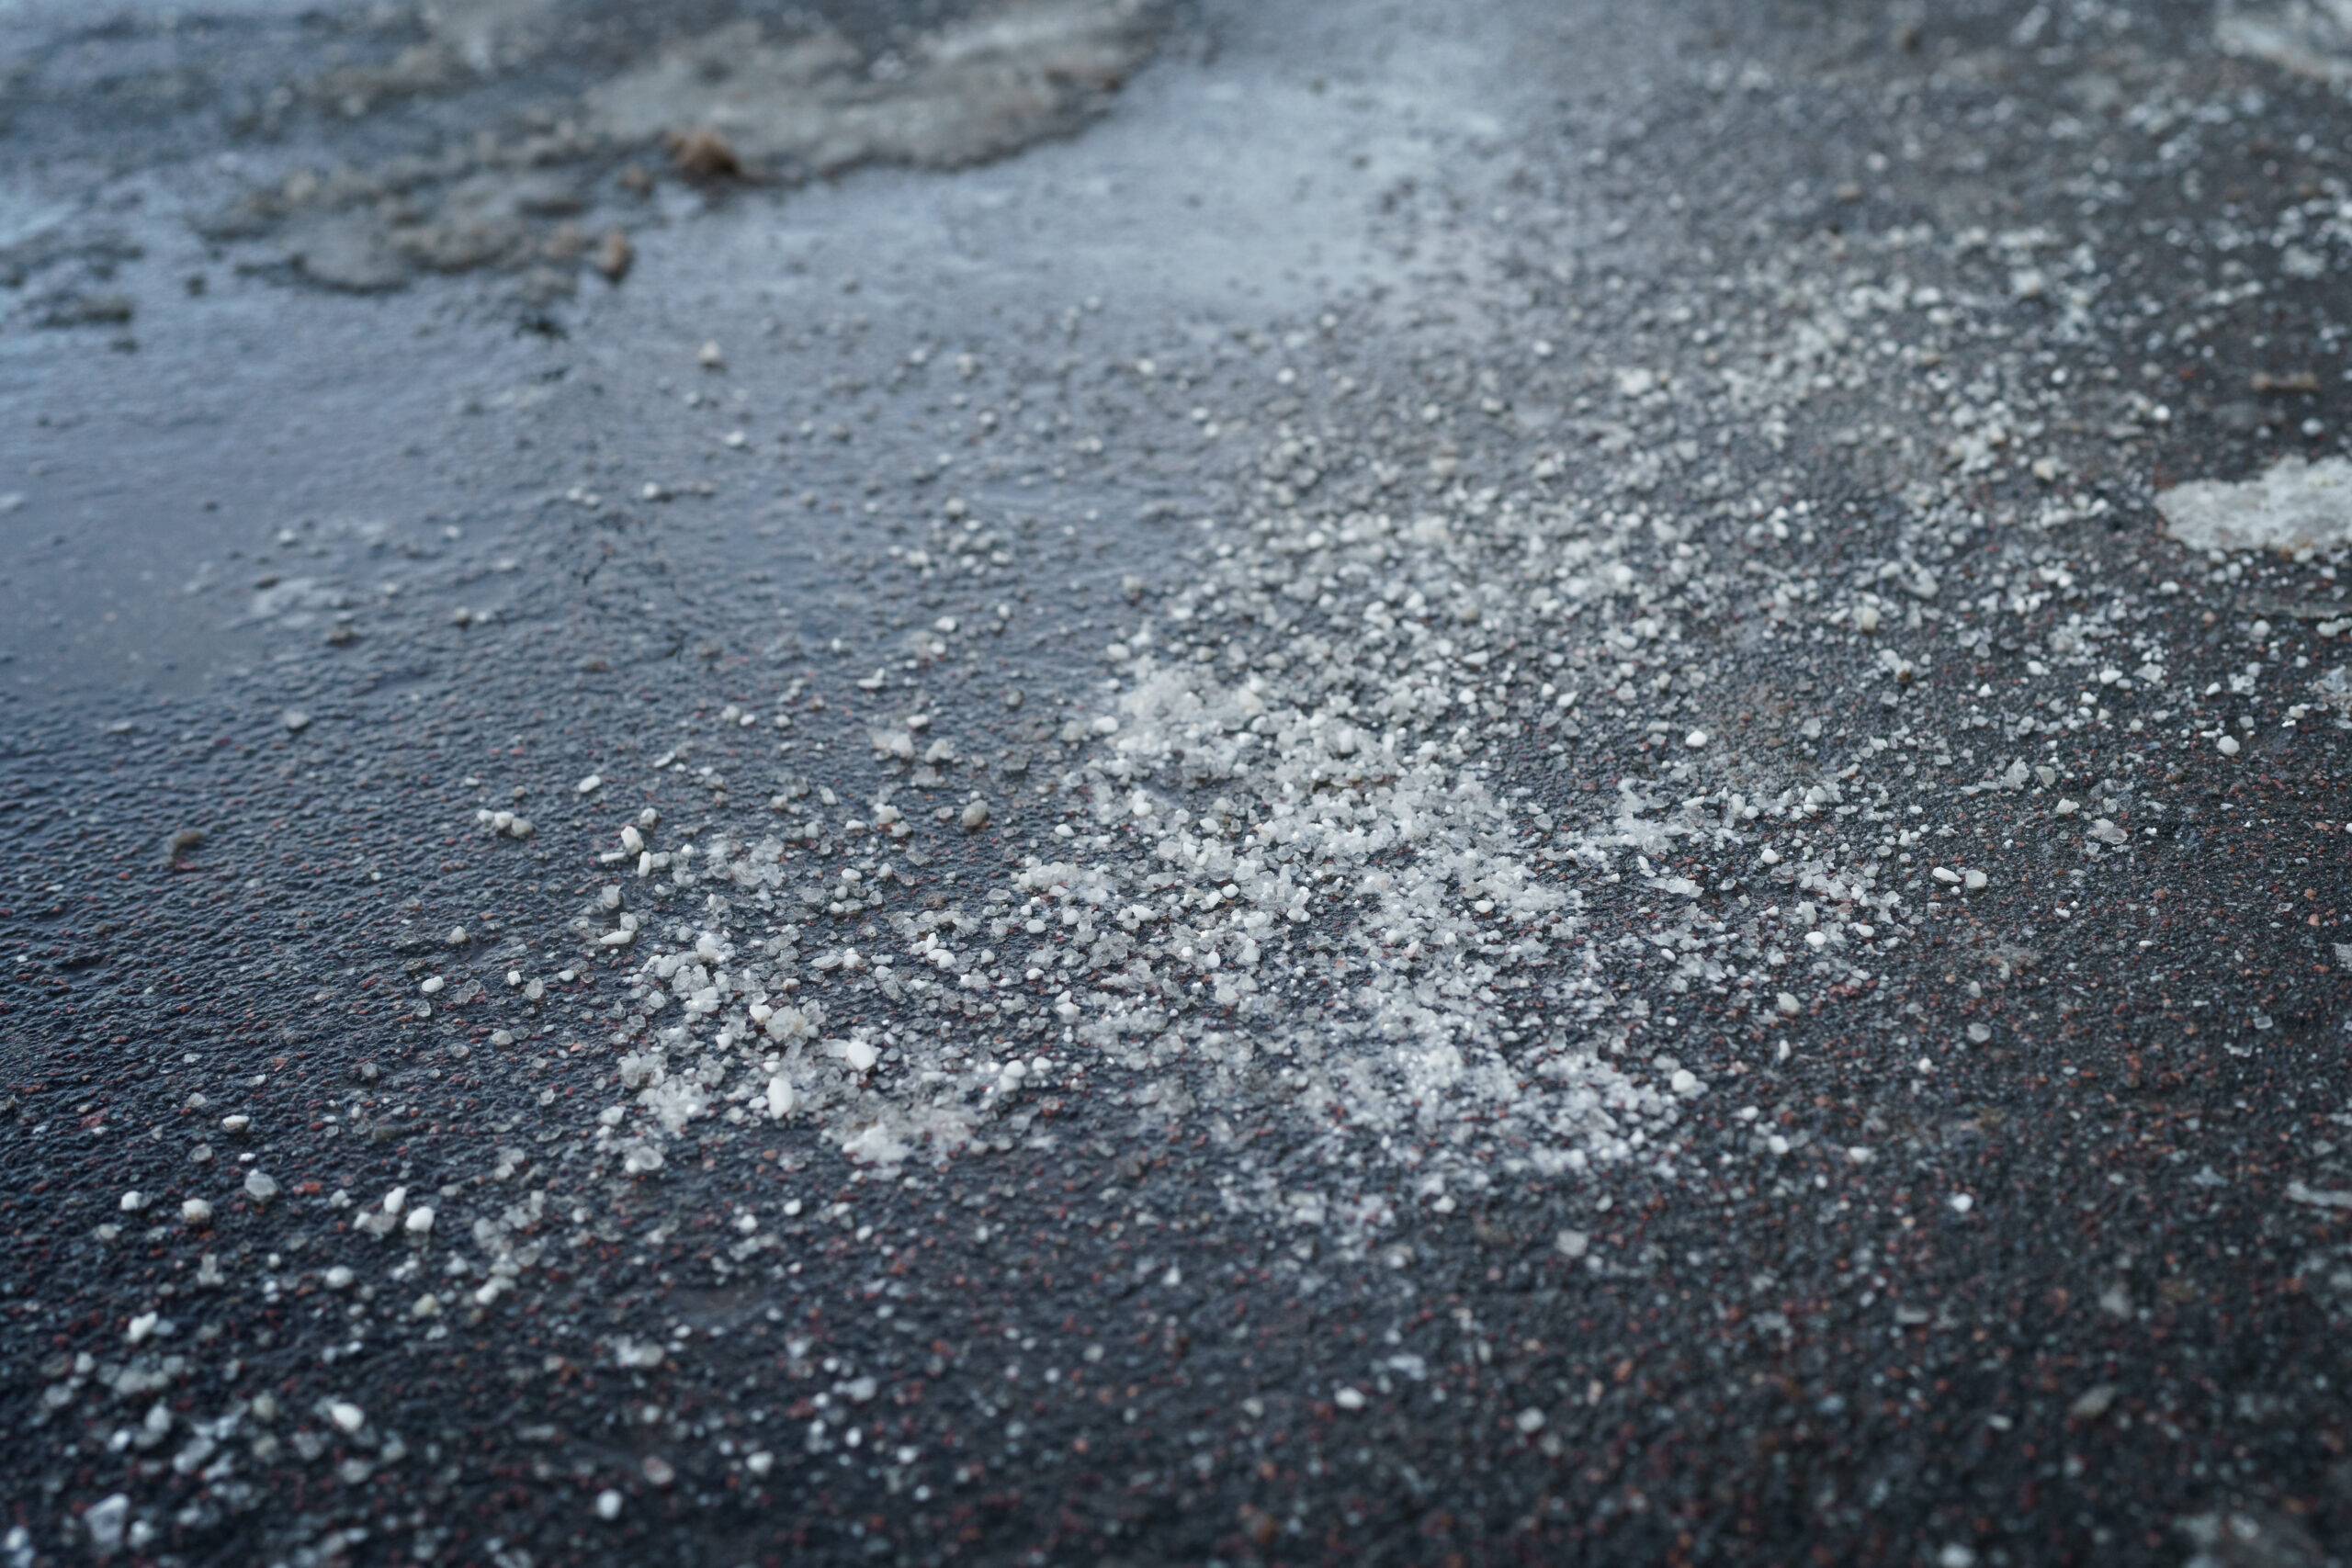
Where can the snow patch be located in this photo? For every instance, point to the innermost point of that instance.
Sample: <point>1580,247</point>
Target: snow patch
<point>2311,37</point>
<point>2294,506</point>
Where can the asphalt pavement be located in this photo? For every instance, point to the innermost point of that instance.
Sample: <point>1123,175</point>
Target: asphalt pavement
<point>1080,781</point>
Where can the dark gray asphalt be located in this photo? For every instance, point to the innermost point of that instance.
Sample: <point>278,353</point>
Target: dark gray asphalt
<point>1615,494</point>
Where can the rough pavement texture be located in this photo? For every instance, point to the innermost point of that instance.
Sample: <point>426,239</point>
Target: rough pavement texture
<point>1559,783</point>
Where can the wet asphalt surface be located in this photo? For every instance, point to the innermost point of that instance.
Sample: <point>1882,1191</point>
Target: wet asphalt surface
<point>304,576</point>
